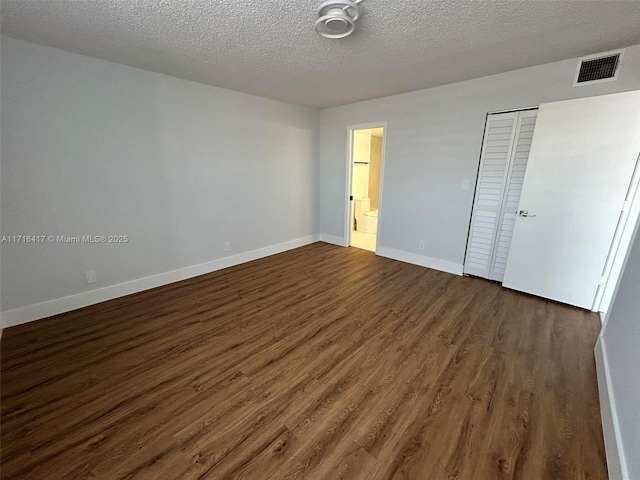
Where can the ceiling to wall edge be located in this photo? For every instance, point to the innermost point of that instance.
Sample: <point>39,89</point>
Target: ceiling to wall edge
<point>576,59</point>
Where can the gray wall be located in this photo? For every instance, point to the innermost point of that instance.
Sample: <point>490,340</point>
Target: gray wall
<point>91,147</point>
<point>621,336</point>
<point>433,143</point>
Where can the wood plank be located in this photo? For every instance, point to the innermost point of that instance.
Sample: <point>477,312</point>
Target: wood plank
<point>321,362</point>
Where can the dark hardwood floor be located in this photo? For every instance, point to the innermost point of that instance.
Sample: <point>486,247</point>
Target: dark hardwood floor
<point>319,363</point>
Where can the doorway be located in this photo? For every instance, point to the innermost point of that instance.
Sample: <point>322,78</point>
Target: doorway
<point>365,164</point>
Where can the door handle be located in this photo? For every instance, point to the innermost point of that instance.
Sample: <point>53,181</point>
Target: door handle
<point>525,213</point>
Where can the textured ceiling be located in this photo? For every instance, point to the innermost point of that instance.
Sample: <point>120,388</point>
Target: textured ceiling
<point>269,47</point>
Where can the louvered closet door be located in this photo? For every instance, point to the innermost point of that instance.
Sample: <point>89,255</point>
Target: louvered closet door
<point>499,137</point>
<point>515,178</point>
<point>507,138</point>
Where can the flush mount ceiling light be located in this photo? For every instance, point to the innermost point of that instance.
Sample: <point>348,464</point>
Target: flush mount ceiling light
<point>337,18</point>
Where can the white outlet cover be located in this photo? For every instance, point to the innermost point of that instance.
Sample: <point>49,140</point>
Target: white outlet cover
<point>465,185</point>
<point>90,276</point>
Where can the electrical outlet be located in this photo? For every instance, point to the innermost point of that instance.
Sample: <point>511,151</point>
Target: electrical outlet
<point>421,245</point>
<point>465,185</point>
<point>90,276</point>
<point>227,246</point>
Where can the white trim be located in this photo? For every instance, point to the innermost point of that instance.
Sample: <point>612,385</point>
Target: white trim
<point>346,234</point>
<point>599,55</point>
<point>84,299</point>
<point>380,189</point>
<point>348,186</point>
<point>423,261</point>
<point>333,239</point>
<point>620,246</point>
<point>610,427</point>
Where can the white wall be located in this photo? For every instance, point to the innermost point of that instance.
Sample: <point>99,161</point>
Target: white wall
<point>432,144</point>
<point>91,147</point>
<point>620,340</point>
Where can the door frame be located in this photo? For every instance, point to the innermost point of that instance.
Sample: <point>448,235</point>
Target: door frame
<point>349,175</point>
<point>620,246</point>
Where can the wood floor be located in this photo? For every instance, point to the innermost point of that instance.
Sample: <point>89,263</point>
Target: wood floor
<point>319,363</point>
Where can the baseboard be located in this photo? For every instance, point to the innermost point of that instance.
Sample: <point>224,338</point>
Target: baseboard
<point>423,261</point>
<point>333,239</point>
<point>61,305</point>
<point>603,317</point>
<point>610,428</point>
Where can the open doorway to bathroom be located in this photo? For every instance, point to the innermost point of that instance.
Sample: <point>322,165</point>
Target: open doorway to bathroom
<point>366,173</point>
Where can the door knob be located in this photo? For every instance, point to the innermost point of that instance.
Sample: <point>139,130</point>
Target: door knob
<point>525,213</point>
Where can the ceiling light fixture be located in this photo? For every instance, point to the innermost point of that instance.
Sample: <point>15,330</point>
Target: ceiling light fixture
<point>337,18</point>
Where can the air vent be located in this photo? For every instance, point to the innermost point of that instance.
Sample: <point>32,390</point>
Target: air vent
<point>602,67</point>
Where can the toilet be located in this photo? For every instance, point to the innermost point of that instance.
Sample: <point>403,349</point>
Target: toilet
<point>366,219</point>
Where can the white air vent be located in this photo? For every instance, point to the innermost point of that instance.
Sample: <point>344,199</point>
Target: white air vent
<point>598,68</point>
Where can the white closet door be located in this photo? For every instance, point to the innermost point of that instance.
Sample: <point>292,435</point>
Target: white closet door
<point>513,189</point>
<point>496,153</point>
<point>582,159</point>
